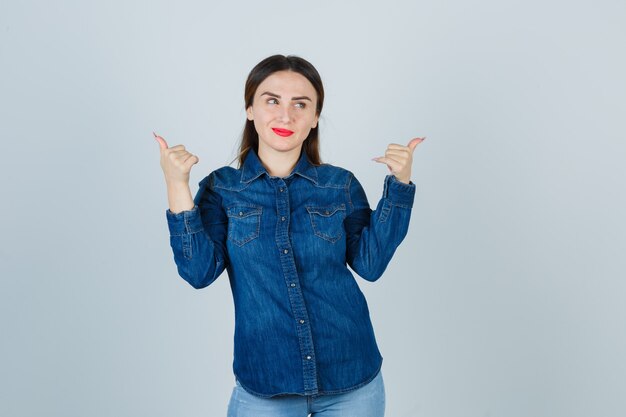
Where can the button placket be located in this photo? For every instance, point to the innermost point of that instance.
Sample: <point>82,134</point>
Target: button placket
<point>294,289</point>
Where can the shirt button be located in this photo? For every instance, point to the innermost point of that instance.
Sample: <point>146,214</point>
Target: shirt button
<point>282,218</point>
<point>240,213</point>
<point>327,212</point>
<point>301,321</point>
<point>293,284</point>
<point>286,251</point>
<point>281,189</point>
<point>308,357</point>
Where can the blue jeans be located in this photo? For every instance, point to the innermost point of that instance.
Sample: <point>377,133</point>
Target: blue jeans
<point>367,401</point>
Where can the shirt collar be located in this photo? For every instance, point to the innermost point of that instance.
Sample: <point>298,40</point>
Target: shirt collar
<point>253,168</point>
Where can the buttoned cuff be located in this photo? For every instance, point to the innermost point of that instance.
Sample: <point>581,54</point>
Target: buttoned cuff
<point>399,193</point>
<point>185,222</point>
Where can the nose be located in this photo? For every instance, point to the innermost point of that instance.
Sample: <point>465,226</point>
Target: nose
<point>285,114</point>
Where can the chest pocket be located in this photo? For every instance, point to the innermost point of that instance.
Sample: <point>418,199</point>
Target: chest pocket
<point>244,223</point>
<point>327,222</point>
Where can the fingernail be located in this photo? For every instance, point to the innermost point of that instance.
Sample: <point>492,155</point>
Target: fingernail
<point>155,135</point>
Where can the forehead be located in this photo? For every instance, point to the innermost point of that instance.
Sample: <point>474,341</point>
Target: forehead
<point>287,83</point>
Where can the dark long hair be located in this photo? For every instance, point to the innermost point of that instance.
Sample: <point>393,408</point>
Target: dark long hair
<point>265,68</point>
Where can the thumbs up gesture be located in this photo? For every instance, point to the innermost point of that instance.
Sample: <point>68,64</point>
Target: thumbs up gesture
<point>399,159</point>
<point>176,161</point>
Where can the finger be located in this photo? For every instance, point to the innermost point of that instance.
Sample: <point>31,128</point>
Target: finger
<point>397,146</point>
<point>411,145</point>
<point>402,154</point>
<point>179,152</point>
<point>162,142</point>
<point>186,157</point>
<point>393,165</point>
<point>385,159</point>
<point>178,148</point>
<point>395,161</point>
<point>189,162</point>
<point>380,159</point>
<point>414,142</point>
<point>179,157</point>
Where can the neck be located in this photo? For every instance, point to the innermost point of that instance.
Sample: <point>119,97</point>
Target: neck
<point>279,164</point>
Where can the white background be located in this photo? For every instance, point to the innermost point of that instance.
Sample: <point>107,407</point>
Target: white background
<point>507,297</point>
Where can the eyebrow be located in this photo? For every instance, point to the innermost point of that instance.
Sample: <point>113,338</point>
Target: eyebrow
<point>267,93</point>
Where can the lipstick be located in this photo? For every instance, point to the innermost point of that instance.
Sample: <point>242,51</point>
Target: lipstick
<point>282,132</point>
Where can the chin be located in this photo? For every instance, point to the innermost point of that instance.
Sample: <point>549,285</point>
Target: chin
<point>287,149</point>
<point>285,146</point>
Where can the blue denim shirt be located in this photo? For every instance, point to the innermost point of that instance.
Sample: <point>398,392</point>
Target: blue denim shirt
<point>302,325</point>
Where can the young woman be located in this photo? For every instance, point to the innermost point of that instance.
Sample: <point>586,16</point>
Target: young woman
<point>286,227</point>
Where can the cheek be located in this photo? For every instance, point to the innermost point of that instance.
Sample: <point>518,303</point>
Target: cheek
<point>310,121</point>
<point>260,118</point>
<point>258,126</point>
<point>267,115</point>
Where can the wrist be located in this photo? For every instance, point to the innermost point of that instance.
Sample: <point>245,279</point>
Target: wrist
<point>177,184</point>
<point>403,180</point>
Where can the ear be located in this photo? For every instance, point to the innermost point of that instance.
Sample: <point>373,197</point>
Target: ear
<point>249,113</point>
<point>317,118</point>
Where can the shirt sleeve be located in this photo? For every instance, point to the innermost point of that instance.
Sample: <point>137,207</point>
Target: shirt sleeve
<point>373,236</point>
<point>197,237</point>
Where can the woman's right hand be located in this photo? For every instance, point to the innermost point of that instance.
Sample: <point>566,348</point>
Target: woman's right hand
<point>176,162</point>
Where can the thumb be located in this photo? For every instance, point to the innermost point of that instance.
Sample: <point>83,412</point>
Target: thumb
<point>162,142</point>
<point>414,142</point>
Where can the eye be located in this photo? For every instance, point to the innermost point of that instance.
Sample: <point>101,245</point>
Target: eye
<point>300,105</point>
<point>272,101</point>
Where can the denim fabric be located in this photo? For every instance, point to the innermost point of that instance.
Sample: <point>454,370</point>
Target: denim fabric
<point>367,401</point>
<point>302,325</point>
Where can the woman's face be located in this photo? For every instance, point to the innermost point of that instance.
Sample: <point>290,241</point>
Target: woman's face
<point>283,112</point>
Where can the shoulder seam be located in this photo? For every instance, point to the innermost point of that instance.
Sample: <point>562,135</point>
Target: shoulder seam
<point>348,184</point>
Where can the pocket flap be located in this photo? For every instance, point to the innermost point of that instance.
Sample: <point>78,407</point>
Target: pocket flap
<point>326,211</point>
<point>243,211</point>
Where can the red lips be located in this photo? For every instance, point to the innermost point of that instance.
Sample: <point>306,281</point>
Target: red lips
<point>282,132</point>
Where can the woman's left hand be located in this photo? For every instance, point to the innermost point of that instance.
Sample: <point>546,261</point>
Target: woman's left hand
<point>399,159</point>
